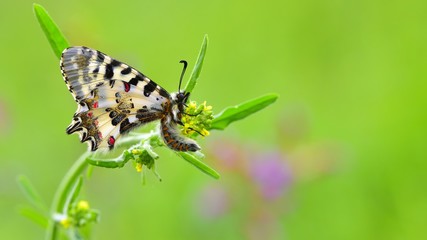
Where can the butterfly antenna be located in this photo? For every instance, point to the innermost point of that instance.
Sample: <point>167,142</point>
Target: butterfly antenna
<point>182,73</point>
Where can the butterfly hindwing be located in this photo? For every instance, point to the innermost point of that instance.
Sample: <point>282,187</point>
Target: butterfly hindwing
<point>113,97</point>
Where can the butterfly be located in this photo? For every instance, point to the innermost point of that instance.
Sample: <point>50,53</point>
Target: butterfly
<point>114,98</point>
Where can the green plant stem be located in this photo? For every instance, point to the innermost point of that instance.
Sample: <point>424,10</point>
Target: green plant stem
<point>62,194</point>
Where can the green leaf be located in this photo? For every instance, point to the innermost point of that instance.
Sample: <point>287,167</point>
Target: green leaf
<point>199,164</point>
<point>54,35</point>
<point>234,113</point>
<point>34,216</point>
<point>197,67</point>
<point>31,193</point>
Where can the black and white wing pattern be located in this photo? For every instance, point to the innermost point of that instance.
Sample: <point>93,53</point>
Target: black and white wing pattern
<point>112,97</point>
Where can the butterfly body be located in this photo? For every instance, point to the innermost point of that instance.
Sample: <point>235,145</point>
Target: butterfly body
<point>114,98</point>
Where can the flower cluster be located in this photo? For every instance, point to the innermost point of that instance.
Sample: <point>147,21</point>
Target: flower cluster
<point>196,120</point>
<point>142,155</point>
<point>79,215</point>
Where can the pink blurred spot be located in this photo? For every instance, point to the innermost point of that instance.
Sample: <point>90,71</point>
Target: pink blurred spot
<point>271,175</point>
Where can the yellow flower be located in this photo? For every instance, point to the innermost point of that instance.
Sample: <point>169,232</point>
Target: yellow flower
<point>65,222</point>
<point>192,105</point>
<point>138,167</point>
<point>205,132</point>
<point>136,151</point>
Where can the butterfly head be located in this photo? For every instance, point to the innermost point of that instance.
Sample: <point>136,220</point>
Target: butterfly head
<point>179,100</point>
<point>182,97</point>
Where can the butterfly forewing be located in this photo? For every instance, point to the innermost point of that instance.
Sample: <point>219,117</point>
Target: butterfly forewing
<point>113,97</point>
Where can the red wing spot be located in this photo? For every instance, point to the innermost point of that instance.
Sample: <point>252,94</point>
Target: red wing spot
<point>127,86</point>
<point>96,123</point>
<point>111,141</point>
<point>100,135</point>
<point>95,105</point>
<point>90,114</point>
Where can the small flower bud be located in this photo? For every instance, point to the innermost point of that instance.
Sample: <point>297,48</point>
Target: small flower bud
<point>83,205</point>
<point>136,151</point>
<point>138,167</point>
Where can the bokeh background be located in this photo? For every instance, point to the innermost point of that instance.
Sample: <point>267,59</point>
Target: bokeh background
<point>340,155</point>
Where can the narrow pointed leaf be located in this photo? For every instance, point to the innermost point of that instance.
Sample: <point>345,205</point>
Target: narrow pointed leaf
<point>197,67</point>
<point>34,216</point>
<point>54,35</point>
<point>235,113</point>
<point>31,193</point>
<point>199,164</point>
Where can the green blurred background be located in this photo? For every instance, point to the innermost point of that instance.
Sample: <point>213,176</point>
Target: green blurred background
<point>341,155</point>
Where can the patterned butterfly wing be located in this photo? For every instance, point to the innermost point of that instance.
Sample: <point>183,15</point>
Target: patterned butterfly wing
<point>113,98</point>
